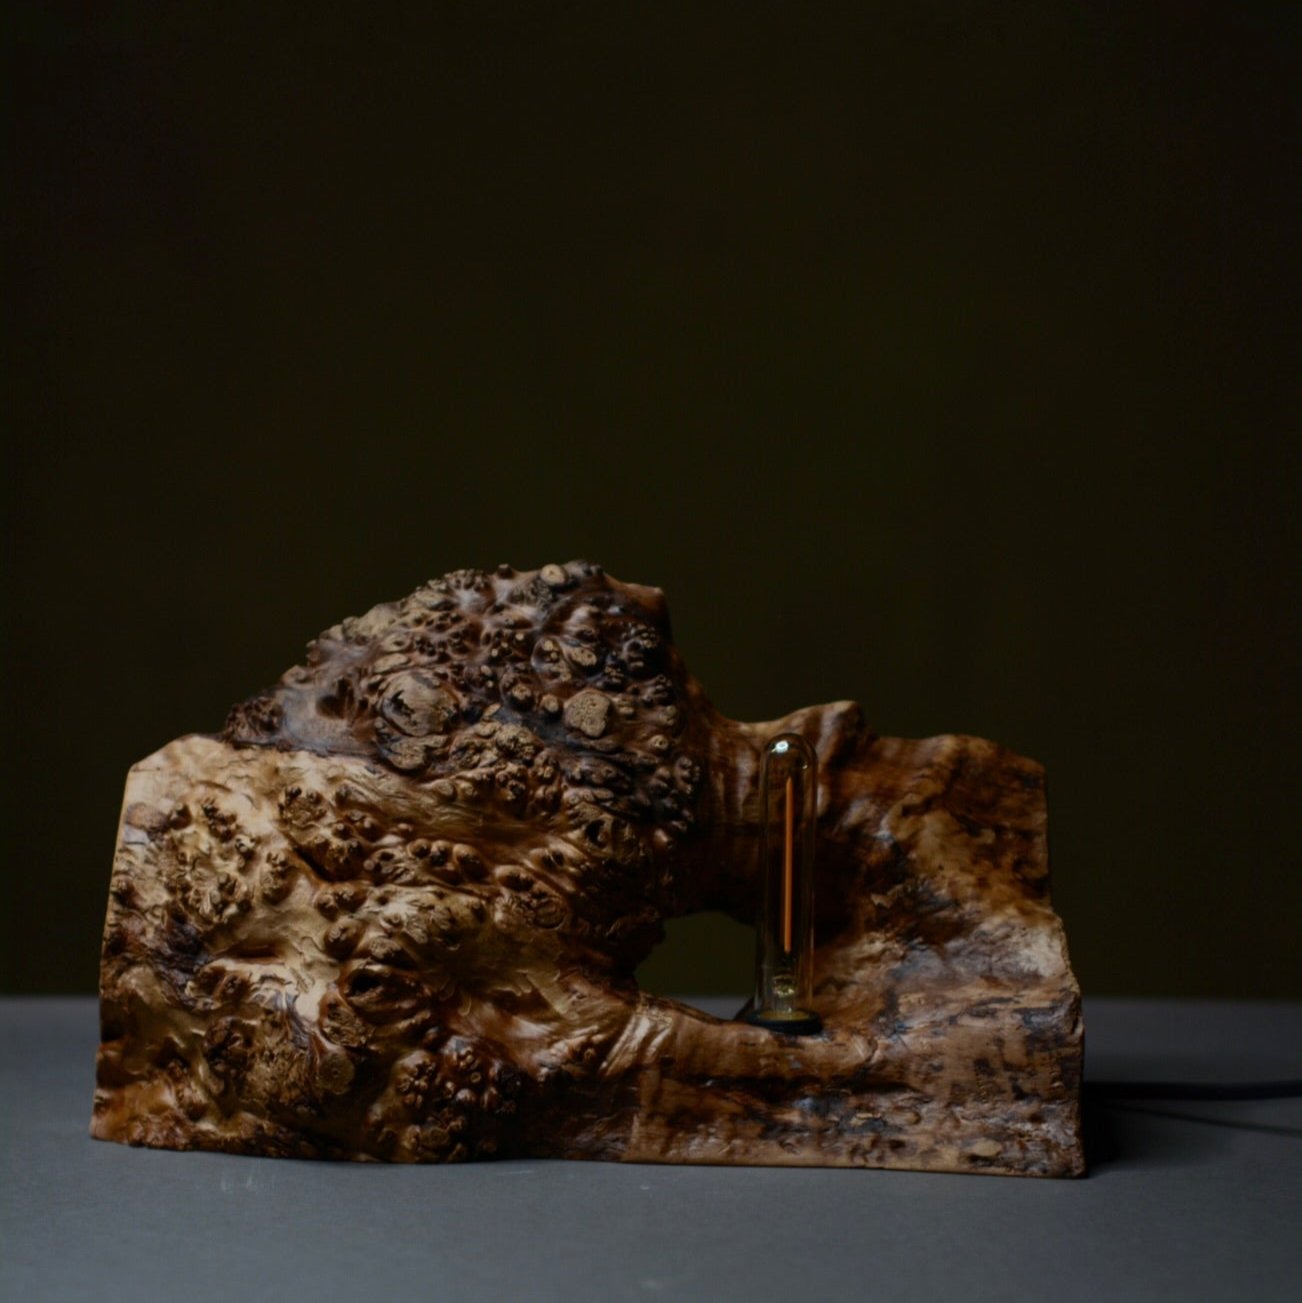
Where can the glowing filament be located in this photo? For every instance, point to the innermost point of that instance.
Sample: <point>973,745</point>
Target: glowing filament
<point>788,860</point>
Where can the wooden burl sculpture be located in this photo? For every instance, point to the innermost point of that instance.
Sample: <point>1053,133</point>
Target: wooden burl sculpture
<point>394,909</point>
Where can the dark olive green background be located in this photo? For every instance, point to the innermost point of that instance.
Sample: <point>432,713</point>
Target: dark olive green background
<point>938,356</point>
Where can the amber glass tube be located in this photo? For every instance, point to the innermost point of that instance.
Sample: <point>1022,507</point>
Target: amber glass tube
<point>784,955</point>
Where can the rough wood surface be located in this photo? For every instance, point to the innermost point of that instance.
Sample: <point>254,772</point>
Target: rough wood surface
<point>393,912</point>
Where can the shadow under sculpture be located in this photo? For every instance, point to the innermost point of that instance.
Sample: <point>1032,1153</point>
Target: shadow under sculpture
<point>394,909</point>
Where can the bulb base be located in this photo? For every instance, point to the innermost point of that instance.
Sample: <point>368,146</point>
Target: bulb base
<point>799,1022</point>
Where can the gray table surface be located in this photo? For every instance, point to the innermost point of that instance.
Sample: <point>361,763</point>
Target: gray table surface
<point>1189,1197</point>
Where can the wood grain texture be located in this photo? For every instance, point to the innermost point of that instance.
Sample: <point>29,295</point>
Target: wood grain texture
<point>393,912</point>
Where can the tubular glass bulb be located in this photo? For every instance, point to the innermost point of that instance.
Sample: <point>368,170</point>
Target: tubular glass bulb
<point>784,959</point>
